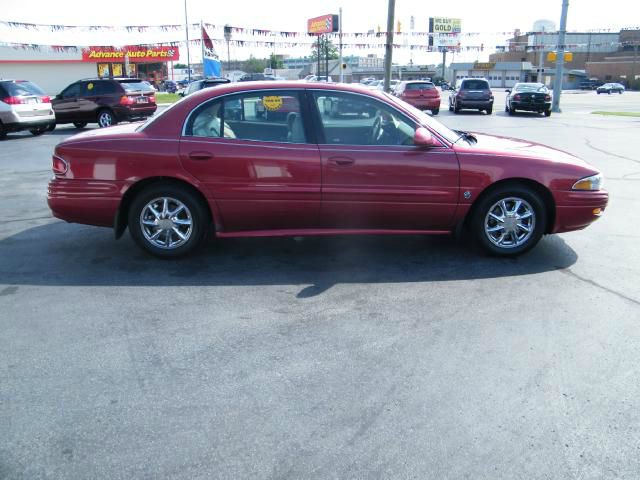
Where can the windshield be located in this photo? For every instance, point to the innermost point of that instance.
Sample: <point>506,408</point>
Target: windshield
<point>530,87</point>
<point>426,120</point>
<point>137,86</point>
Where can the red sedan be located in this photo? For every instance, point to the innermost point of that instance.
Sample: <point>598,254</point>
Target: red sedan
<point>210,162</point>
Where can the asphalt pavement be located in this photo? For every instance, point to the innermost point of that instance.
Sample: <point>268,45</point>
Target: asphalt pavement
<point>343,357</point>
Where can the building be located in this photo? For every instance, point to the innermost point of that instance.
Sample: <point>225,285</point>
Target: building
<point>499,74</point>
<point>55,68</point>
<point>621,66</point>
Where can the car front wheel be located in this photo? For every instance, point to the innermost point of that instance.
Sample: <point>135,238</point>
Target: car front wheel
<point>509,221</point>
<point>168,220</point>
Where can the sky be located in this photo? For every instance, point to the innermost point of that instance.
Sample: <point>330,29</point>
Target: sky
<point>489,17</point>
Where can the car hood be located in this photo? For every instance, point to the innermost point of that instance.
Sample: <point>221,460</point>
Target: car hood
<point>101,133</point>
<point>506,146</point>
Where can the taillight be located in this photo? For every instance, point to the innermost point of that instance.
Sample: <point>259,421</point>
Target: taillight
<point>516,97</point>
<point>59,165</point>
<point>45,99</point>
<point>124,100</point>
<point>152,98</point>
<point>547,98</point>
<point>14,100</point>
<point>461,93</point>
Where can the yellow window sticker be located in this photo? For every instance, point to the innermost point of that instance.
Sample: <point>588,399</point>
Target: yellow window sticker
<point>90,86</point>
<point>272,102</point>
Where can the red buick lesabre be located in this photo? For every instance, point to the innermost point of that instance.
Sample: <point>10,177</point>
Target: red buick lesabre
<point>379,166</point>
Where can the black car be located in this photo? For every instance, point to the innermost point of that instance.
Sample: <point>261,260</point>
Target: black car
<point>610,88</point>
<point>169,86</point>
<point>531,97</point>
<point>472,93</point>
<point>205,83</point>
<point>105,101</point>
<point>253,77</point>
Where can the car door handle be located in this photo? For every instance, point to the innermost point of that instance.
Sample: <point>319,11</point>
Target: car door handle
<point>342,160</point>
<point>200,156</point>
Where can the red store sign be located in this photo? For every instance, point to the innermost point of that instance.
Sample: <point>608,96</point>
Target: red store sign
<point>135,54</point>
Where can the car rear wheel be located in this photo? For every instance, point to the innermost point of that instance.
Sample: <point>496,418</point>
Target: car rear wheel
<point>489,110</point>
<point>51,127</point>
<point>435,111</point>
<point>547,113</point>
<point>511,110</point>
<point>106,118</point>
<point>509,221</point>
<point>456,108</point>
<point>3,132</point>
<point>168,220</point>
<point>38,131</point>
<point>79,124</point>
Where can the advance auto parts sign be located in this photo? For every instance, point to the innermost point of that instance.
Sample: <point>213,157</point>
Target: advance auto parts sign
<point>135,54</point>
<point>272,102</point>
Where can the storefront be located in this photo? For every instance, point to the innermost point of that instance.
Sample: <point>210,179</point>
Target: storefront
<point>55,68</point>
<point>499,74</point>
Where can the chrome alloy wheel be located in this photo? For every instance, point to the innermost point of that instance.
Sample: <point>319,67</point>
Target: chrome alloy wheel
<point>510,222</point>
<point>105,119</point>
<point>166,223</point>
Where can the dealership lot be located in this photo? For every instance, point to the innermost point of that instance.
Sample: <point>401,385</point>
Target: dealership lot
<point>351,357</point>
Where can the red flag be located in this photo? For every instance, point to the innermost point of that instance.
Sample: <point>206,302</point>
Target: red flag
<point>208,44</point>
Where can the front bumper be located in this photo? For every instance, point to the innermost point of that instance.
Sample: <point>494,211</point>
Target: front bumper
<point>424,104</point>
<point>575,210</point>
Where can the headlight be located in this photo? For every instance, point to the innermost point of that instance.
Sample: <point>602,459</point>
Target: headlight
<point>594,182</point>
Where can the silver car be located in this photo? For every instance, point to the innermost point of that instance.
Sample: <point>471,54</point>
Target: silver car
<point>24,106</point>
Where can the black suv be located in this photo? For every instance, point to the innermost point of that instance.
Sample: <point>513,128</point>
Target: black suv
<point>205,83</point>
<point>473,93</point>
<point>105,101</point>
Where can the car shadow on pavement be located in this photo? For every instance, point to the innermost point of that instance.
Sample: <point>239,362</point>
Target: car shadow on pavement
<point>60,254</point>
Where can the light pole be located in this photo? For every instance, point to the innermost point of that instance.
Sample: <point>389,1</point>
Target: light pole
<point>389,45</point>
<point>186,29</point>
<point>227,38</point>
<point>557,82</point>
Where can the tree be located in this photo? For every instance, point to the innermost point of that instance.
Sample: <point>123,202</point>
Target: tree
<point>324,43</point>
<point>255,65</point>
<point>275,61</point>
<point>180,65</point>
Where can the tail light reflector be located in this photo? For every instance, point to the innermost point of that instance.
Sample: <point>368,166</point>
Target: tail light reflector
<point>125,100</point>
<point>59,165</point>
<point>45,99</point>
<point>14,100</point>
<point>516,97</point>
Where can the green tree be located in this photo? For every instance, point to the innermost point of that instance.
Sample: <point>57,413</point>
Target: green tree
<point>180,65</point>
<point>324,43</point>
<point>275,61</point>
<point>255,65</point>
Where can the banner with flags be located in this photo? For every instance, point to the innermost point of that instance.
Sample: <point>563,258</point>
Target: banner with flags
<point>210,63</point>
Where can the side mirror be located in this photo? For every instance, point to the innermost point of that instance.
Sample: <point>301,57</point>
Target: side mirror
<point>508,90</point>
<point>423,138</point>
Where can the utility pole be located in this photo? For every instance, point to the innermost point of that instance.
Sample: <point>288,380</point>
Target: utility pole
<point>227,37</point>
<point>557,82</point>
<point>541,59</point>
<point>444,59</point>
<point>389,45</point>
<point>186,28</point>
<point>340,46</point>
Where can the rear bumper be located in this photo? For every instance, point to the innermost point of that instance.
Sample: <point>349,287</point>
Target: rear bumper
<point>84,201</point>
<point>531,107</point>
<point>124,113</point>
<point>424,103</point>
<point>483,104</point>
<point>575,210</point>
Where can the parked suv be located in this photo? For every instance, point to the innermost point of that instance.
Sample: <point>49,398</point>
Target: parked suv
<point>24,106</point>
<point>472,93</point>
<point>105,101</point>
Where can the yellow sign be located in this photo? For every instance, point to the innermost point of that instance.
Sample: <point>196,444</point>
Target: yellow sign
<point>568,56</point>
<point>272,102</point>
<point>117,69</point>
<point>103,69</point>
<point>484,66</point>
<point>446,25</point>
<point>89,86</point>
<point>551,56</point>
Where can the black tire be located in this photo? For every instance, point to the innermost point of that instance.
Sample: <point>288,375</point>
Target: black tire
<point>3,132</point>
<point>435,111</point>
<point>620,92</point>
<point>506,108</point>
<point>450,107</point>
<point>509,193</point>
<point>512,111</point>
<point>79,124</point>
<point>456,108</point>
<point>199,214</point>
<point>51,127</point>
<point>609,92</point>
<point>102,117</point>
<point>489,110</point>
<point>547,113</point>
<point>38,131</point>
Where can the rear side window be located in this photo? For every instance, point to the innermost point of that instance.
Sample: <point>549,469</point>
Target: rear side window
<point>22,88</point>
<point>420,86</point>
<point>273,116</point>
<point>103,88</point>
<point>475,85</point>
<point>136,86</point>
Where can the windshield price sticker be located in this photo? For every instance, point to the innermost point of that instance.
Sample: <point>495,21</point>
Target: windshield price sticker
<point>272,102</point>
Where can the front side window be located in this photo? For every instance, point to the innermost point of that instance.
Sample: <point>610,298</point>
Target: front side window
<point>273,116</point>
<point>349,119</point>
<point>72,91</point>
